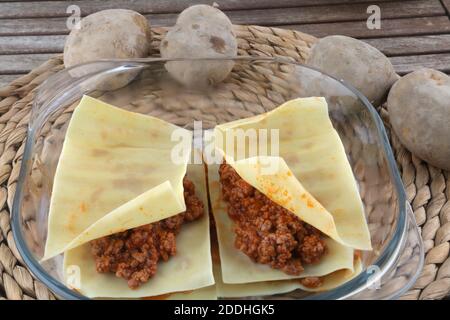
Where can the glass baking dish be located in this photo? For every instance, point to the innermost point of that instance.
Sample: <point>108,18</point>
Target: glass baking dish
<point>255,86</point>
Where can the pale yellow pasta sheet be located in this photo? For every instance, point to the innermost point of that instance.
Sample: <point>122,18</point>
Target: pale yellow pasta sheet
<point>311,177</point>
<point>190,269</point>
<point>117,171</point>
<point>113,161</point>
<point>238,268</point>
<point>312,168</point>
<point>330,281</point>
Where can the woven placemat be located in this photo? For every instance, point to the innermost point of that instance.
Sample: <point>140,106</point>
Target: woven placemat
<point>428,188</point>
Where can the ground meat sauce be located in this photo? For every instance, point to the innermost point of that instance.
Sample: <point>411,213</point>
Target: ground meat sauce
<point>134,254</point>
<point>268,233</point>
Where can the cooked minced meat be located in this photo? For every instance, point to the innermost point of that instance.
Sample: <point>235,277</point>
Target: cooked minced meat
<point>268,233</point>
<point>134,254</point>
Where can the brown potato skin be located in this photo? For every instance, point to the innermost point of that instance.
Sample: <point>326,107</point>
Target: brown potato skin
<point>201,31</point>
<point>355,62</point>
<point>108,34</point>
<point>419,111</point>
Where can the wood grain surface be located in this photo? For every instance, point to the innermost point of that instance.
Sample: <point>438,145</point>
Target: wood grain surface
<point>413,33</point>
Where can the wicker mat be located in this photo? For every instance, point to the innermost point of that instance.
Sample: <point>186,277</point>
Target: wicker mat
<point>428,188</point>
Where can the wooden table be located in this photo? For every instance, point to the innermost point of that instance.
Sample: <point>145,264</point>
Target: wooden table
<point>413,33</point>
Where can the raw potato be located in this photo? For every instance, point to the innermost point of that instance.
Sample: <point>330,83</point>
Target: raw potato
<point>201,32</point>
<point>357,63</point>
<point>108,34</point>
<point>203,11</point>
<point>419,110</point>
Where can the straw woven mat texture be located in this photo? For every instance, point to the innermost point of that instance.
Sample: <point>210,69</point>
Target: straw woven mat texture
<point>428,188</point>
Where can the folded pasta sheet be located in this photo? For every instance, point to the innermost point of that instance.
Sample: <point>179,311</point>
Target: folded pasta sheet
<point>207,293</point>
<point>310,177</point>
<point>237,268</point>
<point>190,269</point>
<point>312,168</point>
<point>117,172</point>
<point>112,161</point>
<point>266,288</point>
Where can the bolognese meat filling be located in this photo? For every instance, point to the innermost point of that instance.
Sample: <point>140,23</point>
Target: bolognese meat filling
<point>134,254</point>
<point>268,233</point>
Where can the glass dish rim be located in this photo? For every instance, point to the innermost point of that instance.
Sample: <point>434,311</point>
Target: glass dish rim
<point>384,261</point>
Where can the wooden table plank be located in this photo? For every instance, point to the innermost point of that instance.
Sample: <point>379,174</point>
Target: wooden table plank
<point>335,13</point>
<point>58,8</point>
<point>6,79</point>
<point>389,27</point>
<point>357,29</point>
<point>31,44</point>
<point>392,46</point>
<point>14,64</point>
<point>406,64</point>
<point>34,26</point>
<point>37,26</point>
<point>421,28</point>
<point>231,3</point>
<point>310,14</point>
<point>446,4</point>
<point>306,15</point>
<point>412,45</point>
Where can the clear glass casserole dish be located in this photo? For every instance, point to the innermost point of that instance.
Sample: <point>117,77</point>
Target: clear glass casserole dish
<point>256,85</point>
